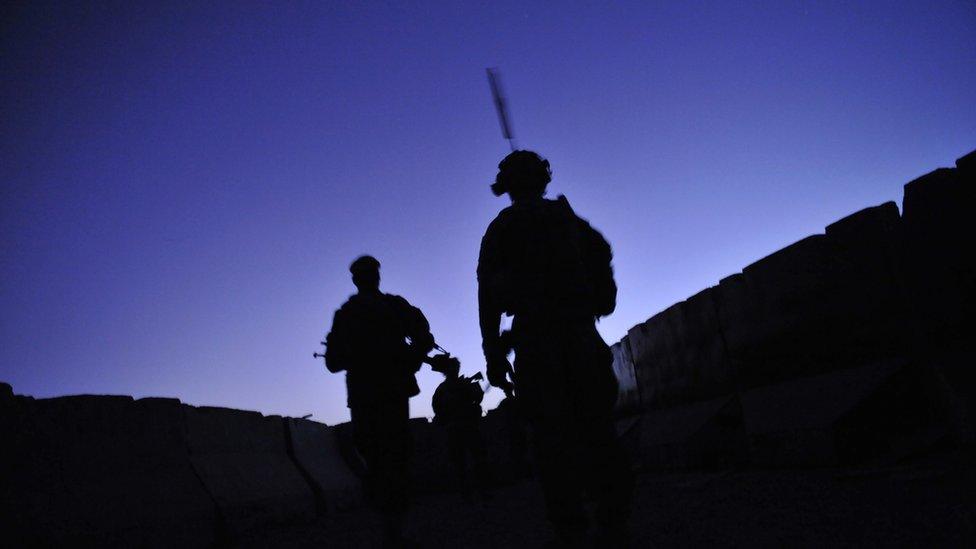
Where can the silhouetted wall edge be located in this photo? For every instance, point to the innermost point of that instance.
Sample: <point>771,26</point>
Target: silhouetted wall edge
<point>821,316</point>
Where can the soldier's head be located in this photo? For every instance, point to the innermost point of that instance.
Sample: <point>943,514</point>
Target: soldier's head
<point>365,273</point>
<point>522,174</point>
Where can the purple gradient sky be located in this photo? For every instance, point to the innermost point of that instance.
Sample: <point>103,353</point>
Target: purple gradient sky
<point>183,188</point>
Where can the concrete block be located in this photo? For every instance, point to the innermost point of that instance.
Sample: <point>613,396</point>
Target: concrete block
<point>876,412</point>
<point>955,366</point>
<point>675,383</point>
<point>824,303</point>
<point>740,318</point>
<point>242,459</point>
<point>650,345</point>
<point>865,315</point>
<point>940,239</point>
<point>628,396</point>
<point>868,223</point>
<point>104,470</point>
<point>347,448</point>
<point>929,198</point>
<point>787,284</point>
<point>676,386</point>
<point>698,351</point>
<point>699,435</point>
<point>966,165</point>
<point>315,449</point>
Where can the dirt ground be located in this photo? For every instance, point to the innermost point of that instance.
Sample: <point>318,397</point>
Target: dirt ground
<point>930,502</point>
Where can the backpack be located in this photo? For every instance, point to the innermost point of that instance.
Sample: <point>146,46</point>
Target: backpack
<point>549,260</point>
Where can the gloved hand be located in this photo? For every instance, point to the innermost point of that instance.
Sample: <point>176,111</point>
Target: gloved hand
<point>499,372</point>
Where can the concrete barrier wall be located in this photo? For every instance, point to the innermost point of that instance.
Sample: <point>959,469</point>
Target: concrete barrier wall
<point>939,236</point>
<point>650,349</point>
<point>875,287</point>
<point>866,311</point>
<point>883,411</point>
<point>112,471</point>
<point>628,395</point>
<point>703,434</point>
<point>242,459</point>
<point>315,449</point>
<point>701,365</point>
<point>102,471</point>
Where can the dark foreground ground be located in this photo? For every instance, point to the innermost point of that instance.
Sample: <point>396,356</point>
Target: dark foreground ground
<point>930,502</point>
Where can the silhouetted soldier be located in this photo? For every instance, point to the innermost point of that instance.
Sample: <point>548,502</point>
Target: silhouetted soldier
<point>515,429</point>
<point>380,340</point>
<point>543,264</point>
<point>457,408</point>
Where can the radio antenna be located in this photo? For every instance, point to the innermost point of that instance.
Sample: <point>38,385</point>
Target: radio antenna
<point>494,82</point>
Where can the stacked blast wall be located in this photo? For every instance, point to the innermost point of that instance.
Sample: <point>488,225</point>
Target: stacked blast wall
<point>848,346</point>
<point>101,470</point>
<point>114,471</point>
<point>845,346</point>
<point>243,462</point>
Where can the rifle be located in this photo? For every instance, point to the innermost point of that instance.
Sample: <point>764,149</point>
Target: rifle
<point>425,359</point>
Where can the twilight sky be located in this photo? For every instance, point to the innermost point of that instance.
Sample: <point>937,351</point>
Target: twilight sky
<point>182,189</point>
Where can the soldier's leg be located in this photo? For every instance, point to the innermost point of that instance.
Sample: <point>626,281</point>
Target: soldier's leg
<point>604,463</point>
<point>545,394</point>
<point>457,452</point>
<point>393,449</point>
<point>476,449</point>
<point>554,444</point>
<point>609,478</point>
<point>518,453</point>
<point>365,437</point>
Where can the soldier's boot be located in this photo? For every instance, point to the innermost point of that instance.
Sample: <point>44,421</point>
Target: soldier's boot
<point>613,494</point>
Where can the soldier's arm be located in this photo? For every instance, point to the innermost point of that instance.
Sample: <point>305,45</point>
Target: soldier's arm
<point>489,311</point>
<point>336,346</point>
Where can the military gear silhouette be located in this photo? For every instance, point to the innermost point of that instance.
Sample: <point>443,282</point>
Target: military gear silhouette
<point>551,270</point>
<point>380,341</point>
<point>457,408</point>
<point>369,342</point>
<point>457,398</point>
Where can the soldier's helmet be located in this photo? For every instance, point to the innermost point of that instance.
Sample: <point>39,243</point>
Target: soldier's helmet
<point>364,264</point>
<point>522,172</point>
<point>365,272</point>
